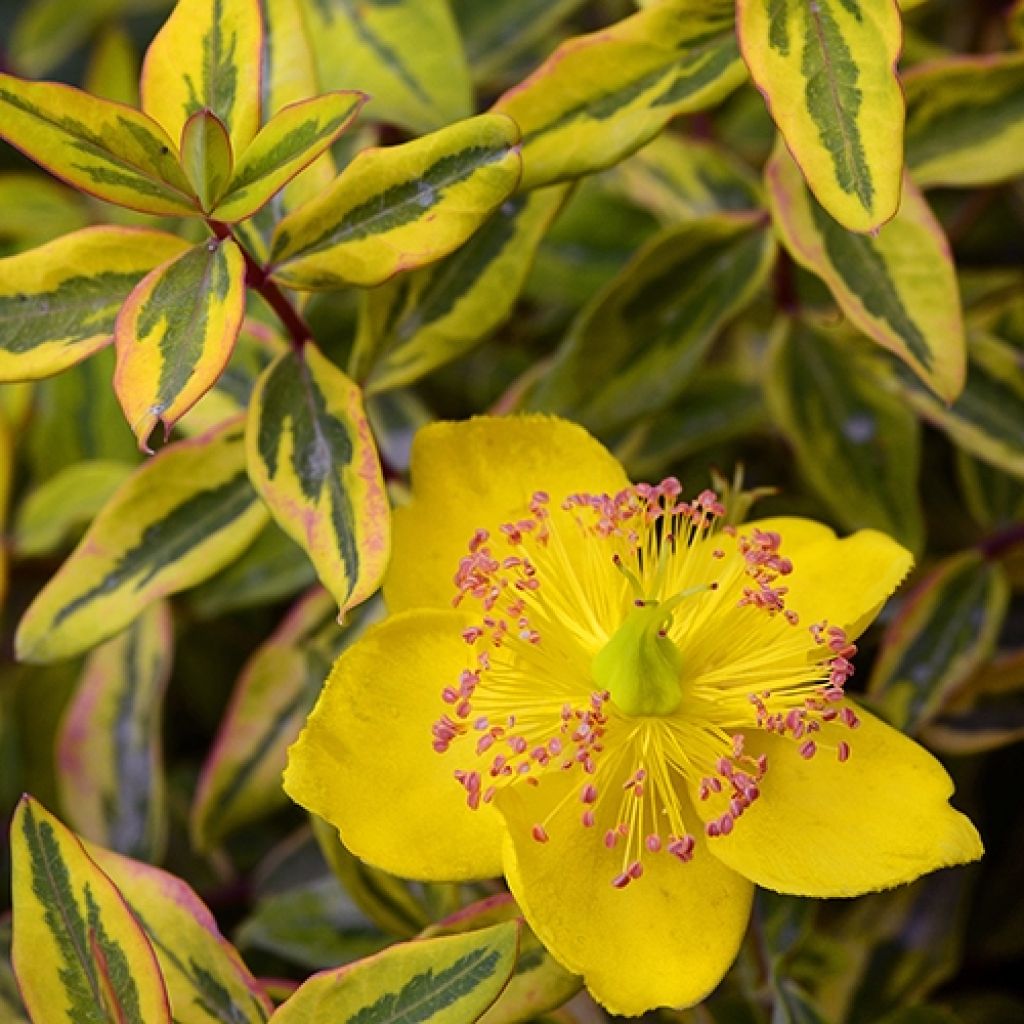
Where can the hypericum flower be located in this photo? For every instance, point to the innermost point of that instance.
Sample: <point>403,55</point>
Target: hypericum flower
<point>632,710</point>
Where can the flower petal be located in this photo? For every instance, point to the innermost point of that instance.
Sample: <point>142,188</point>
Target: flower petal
<point>845,580</point>
<point>481,473</point>
<point>822,828</point>
<point>667,939</point>
<point>365,760</point>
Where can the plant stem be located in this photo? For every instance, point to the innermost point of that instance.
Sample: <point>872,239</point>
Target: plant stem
<point>258,279</point>
<point>995,545</point>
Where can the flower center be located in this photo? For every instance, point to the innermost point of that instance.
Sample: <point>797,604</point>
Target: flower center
<point>634,642</point>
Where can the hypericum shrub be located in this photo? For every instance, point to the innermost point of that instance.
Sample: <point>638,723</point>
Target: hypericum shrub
<point>312,228</point>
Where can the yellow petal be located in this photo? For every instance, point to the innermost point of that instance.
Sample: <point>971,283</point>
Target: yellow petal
<point>481,473</point>
<point>365,760</point>
<point>822,828</point>
<point>843,580</point>
<point>667,939</point>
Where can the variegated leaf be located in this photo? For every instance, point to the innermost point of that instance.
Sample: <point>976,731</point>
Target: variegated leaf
<point>100,147</point>
<point>241,778</point>
<point>681,179</point>
<point>206,56</point>
<point>113,71</point>
<point>178,519</point>
<point>290,141</point>
<point>175,334</point>
<point>640,339</point>
<point>987,419</point>
<point>449,980</point>
<point>312,458</point>
<point>79,954</point>
<point>965,120</point>
<point>400,207</point>
<point>898,287</point>
<point>109,746</point>
<point>35,209</point>
<point>827,70</point>
<point>419,321</point>
<point>946,628</point>
<point>600,97</point>
<point>206,980</point>
<point>58,303</point>
<point>856,441</point>
<point>405,53</point>
<point>206,156</point>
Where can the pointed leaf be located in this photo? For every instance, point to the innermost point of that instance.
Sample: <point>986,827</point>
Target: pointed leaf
<point>290,141</point>
<point>634,347</point>
<point>946,628</point>
<point>206,979</point>
<point>35,209</point>
<point>898,287</point>
<point>450,980</point>
<point>828,74</point>
<point>206,56</point>
<point>312,458</point>
<point>600,97</point>
<point>965,120</point>
<point>79,954</point>
<point>113,71</point>
<point>419,321</point>
<point>175,334</point>
<point>405,53</point>
<point>400,207</point>
<point>206,156</point>
<point>856,442</point>
<point>241,778</point>
<point>58,303</point>
<point>109,747</point>
<point>179,518</point>
<point>100,147</point>
<point>987,419</point>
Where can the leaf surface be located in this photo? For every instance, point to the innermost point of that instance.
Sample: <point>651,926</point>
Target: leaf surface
<point>175,334</point>
<point>601,96</point>
<point>103,148</point>
<point>58,303</point>
<point>78,954</point>
<point>898,287</point>
<point>450,980</point>
<point>827,70</point>
<point>206,57</point>
<point>399,207</point>
<point>179,518</point>
<point>109,750</point>
<point>312,458</point>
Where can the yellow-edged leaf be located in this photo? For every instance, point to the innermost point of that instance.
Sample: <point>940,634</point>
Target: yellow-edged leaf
<point>113,70</point>
<point>206,156</point>
<point>312,458</point>
<point>175,334</point>
<point>965,120</point>
<point>827,70</point>
<point>399,207</point>
<point>405,53</point>
<point>241,778</point>
<point>417,322</point>
<point>206,56</point>
<point>290,141</point>
<point>58,303</point>
<point>206,980</point>
<point>109,752</point>
<point>100,147</point>
<point>898,287</point>
<point>600,97</point>
<point>78,952</point>
<point>448,980</point>
<point>35,209</point>
<point>178,519</point>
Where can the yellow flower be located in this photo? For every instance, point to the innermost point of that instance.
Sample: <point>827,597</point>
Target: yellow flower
<point>632,712</point>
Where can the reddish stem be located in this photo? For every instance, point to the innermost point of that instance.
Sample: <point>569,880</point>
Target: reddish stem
<point>998,543</point>
<point>258,279</point>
